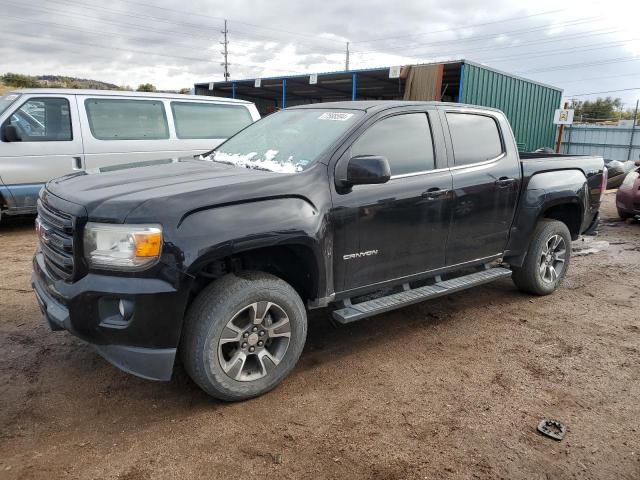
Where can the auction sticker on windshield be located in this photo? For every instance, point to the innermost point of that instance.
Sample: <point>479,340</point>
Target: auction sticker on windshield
<point>339,116</point>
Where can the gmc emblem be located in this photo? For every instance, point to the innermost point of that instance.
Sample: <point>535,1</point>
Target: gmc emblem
<point>42,232</point>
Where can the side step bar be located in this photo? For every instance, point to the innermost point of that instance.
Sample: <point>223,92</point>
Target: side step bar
<point>350,312</point>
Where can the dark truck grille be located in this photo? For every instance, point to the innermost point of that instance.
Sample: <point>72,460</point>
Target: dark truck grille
<point>56,236</point>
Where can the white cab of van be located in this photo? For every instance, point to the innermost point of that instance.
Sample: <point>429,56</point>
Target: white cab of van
<point>46,133</point>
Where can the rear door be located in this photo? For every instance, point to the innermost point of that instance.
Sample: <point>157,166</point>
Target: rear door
<point>50,146</point>
<point>486,178</point>
<point>398,229</point>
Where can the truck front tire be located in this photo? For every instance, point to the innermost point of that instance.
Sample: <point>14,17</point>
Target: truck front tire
<point>243,335</point>
<point>547,260</point>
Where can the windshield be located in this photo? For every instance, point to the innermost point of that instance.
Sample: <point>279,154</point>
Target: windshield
<point>7,100</point>
<point>288,141</point>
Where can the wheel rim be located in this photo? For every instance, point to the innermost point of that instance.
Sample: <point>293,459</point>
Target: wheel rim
<point>254,341</point>
<point>553,258</point>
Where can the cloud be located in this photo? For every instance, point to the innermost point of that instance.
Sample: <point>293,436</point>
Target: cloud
<point>174,44</point>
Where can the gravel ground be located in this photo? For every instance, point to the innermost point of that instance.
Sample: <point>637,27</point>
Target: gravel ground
<point>451,388</point>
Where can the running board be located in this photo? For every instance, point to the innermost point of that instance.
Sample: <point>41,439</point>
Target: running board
<point>350,312</point>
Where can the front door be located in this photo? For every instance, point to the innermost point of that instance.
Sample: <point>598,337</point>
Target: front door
<point>398,229</point>
<point>50,146</point>
<point>486,179</point>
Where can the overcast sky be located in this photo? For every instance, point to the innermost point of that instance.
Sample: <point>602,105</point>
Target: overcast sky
<point>580,46</point>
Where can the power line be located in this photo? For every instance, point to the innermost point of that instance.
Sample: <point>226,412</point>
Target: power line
<point>584,48</point>
<point>603,78</point>
<point>464,53</point>
<point>605,91</point>
<point>520,17</point>
<point>581,65</point>
<point>182,12</point>
<point>144,52</point>
<point>483,37</point>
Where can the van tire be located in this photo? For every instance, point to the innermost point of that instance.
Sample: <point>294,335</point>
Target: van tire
<point>214,316</point>
<point>535,276</point>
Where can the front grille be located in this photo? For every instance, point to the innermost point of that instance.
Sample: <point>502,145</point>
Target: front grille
<point>56,236</point>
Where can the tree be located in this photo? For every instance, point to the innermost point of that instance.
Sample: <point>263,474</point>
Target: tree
<point>146,87</point>
<point>185,91</point>
<point>21,81</point>
<point>600,109</point>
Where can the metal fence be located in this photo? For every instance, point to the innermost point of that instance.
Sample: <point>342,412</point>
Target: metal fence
<point>615,143</point>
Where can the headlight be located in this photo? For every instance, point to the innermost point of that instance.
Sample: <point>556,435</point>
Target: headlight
<point>122,247</point>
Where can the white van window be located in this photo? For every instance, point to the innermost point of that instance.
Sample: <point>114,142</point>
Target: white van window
<point>209,120</point>
<point>121,119</point>
<point>43,120</point>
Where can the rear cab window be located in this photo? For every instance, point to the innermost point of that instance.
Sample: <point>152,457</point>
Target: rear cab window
<point>127,119</point>
<point>476,138</point>
<point>45,119</point>
<point>208,120</point>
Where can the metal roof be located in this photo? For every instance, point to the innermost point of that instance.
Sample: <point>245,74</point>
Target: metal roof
<point>373,70</point>
<point>122,93</point>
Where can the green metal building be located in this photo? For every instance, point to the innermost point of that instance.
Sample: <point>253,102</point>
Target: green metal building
<point>529,105</point>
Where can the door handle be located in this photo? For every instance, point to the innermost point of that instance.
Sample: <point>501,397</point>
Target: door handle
<point>76,163</point>
<point>503,182</point>
<point>434,193</point>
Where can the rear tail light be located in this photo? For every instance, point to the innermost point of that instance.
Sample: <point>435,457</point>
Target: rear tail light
<point>603,185</point>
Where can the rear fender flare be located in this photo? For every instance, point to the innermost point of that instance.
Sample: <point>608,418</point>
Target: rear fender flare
<point>544,191</point>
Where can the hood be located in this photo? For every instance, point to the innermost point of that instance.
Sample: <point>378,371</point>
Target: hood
<point>111,193</point>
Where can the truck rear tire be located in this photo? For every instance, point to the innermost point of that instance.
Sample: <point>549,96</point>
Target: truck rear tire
<point>243,335</point>
<point>547,260</point>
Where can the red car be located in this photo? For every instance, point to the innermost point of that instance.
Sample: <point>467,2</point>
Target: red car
<point>628,196</point>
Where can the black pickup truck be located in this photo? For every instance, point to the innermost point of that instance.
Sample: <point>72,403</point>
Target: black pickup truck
<point>361,207</point>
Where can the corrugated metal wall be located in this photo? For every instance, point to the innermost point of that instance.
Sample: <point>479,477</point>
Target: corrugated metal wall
<point>608,141</point>
<point>528,106</point>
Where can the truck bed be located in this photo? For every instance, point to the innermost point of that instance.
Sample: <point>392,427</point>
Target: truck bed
<point>534,162</point>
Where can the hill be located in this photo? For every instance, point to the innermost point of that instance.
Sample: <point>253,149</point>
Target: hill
<point>16,80</point>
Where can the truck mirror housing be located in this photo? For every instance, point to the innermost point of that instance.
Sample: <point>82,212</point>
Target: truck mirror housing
<point>10,133</point>
<point>368,170</point>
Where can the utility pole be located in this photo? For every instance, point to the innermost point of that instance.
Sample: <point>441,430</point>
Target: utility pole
<point>633,130</point>
<point>346,61</point>
<point>561,131</point>
<point>225,52</point>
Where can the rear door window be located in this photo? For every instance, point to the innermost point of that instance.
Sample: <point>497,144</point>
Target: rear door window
<point>209,120</point>
<point>43,120</point>
<point>405,140</point>
<point>124,119</point>
<point>475,138</point>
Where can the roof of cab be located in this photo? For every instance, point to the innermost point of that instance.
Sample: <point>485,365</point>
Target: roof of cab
<point>123,93</point>
<point>376,105</point>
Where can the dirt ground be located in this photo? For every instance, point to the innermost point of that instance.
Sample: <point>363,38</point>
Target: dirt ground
<point>451,388</point>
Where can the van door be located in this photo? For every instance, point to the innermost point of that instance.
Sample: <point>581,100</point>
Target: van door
<point>50,146</point>
<point>119,130</point>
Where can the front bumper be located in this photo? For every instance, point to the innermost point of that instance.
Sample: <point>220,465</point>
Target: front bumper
<point>143,344</point>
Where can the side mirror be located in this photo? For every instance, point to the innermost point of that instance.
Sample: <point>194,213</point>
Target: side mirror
<point>368,170</point>
<point>10,133</point>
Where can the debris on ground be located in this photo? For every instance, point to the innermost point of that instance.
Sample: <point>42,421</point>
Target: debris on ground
<point>552,429</point>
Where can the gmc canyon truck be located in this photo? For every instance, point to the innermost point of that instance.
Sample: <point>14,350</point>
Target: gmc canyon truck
<point>362,207</point>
